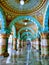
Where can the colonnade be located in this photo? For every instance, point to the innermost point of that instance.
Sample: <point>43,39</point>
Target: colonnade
<point>42,45</point>
<point>3,44</point>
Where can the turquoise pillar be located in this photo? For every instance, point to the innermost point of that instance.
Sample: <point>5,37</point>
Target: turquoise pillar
<point>3,35</point>
<point>14,37</point>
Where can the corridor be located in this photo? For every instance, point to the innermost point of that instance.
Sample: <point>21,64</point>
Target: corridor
<point>24,32</point>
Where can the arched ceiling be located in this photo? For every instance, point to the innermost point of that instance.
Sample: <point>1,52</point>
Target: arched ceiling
<point>27,37</point>
<point>19,26</point>
<point>26,21</point>
<point>26,28</point>
<point>23,23</point>
<point>13,9</point>
<point>27,34</point>
<point>28,6</point>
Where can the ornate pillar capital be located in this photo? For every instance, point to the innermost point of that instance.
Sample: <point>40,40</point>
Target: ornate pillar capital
<point>43,35</point>
<point>4,35</point>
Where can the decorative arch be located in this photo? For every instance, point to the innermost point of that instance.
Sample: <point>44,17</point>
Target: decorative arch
<point>30,37</point>
<point>35,34</point>
<point>25,29</point>
<point>46,19</point>
<point>2,22</point>
<point>25,33</point>
<point>32,19</point>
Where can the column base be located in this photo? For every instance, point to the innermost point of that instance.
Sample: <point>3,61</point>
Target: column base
<point>45,56</point>
<point>3,45</point>
<point>6,54</point>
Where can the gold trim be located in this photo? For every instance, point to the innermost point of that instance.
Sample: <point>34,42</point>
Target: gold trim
<point>18,1</point>
<point>14,39</point>
<point>4,35</point>
<point>44,35</point>
<point>2,49</point>
<point>4,4</point>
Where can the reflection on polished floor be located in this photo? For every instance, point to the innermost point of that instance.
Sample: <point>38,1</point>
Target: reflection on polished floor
<point>25,56</point>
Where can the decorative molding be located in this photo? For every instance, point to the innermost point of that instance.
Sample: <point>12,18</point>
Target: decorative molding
<point>7,4</point>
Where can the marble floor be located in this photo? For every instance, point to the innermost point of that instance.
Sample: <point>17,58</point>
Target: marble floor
<point>25,56</point>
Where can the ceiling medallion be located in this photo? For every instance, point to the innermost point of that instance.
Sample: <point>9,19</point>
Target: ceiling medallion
<point>28,6</point>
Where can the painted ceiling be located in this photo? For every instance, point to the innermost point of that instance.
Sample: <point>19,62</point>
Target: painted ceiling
<point>29,5</point>
<point>13,9</point>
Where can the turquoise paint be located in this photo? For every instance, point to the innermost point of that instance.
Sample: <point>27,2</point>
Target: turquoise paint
<point>31,36</point>
<point>3,29</point>
<point>46,16</point>
<point>25,33</point>
<point>35,35</point>
<point>18,36</point>
<point>26,37</point>
<point>28,28</point>
<point>25,29</point>
<point>32,19</point>
<point>13,31</point>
